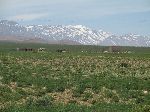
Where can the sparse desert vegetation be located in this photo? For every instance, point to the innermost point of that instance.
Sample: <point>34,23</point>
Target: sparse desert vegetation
<point>74,81</point>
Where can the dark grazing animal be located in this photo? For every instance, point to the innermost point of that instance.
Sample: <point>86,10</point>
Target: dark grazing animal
<point>61,50</point>
<point>25,49</point>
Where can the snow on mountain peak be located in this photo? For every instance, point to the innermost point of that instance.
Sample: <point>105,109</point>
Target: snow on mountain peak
<point>77,33</point>
<point>29,27</point>
<point>80,27</point>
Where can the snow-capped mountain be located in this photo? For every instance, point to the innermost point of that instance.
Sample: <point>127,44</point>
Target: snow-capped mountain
<point>10,30</point>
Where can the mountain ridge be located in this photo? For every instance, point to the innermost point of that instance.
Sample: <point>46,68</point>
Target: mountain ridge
<point>68,34</point>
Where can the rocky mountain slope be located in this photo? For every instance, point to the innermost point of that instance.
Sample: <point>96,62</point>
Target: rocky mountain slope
<point>60,34</point>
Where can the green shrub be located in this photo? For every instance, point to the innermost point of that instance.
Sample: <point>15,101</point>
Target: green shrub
<point>44,101</point>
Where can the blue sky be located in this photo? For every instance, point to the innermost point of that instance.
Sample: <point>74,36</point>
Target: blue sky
<point>116,16</point>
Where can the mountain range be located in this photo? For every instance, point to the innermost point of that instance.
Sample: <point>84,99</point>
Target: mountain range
<point>67,34</point>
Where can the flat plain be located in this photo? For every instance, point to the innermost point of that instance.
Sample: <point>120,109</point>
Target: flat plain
<point>82,79</point>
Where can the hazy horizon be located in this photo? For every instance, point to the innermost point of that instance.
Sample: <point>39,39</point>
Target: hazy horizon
<point>118,17</point>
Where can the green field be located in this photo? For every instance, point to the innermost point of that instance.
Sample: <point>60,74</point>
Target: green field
<point>83,79</point>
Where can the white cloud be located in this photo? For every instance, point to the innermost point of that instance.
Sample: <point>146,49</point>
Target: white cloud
<point>28,17</point>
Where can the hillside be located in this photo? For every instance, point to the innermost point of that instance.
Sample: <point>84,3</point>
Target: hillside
<point>71,34</point>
